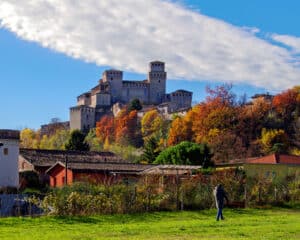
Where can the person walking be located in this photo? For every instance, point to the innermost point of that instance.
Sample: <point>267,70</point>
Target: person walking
<point>220,195</point>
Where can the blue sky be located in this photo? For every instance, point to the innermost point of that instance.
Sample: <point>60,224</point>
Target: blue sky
<point>48,55</point>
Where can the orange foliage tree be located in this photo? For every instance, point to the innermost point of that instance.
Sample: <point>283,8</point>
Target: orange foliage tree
<point>105,128</point>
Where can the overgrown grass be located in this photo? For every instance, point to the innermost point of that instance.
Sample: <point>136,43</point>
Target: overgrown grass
<point>239,224</point>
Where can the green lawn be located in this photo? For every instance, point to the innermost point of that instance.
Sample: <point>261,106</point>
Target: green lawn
<point>239,224</point>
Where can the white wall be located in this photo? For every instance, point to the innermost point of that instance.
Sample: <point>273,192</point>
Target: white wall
<point>9,174</point>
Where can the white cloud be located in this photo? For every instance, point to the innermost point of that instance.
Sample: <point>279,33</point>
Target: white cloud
<point>127,34</point>
<point>290,41</point>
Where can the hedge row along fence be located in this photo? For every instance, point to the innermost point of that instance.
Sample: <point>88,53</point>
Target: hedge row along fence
<point>154,193</point>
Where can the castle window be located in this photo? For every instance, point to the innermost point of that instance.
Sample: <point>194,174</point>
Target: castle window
<point>159,80</point>
<point>111,78</point>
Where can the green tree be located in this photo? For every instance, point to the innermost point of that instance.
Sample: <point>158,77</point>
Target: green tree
<point>151,150</point>
<point>135,104</point>
<point>77,142</point>
<point>186,153</point>
<point>93,141</point>
<point>59,139</point>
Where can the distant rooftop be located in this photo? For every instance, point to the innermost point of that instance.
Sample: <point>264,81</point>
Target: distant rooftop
<point>9,134</point>
<point>44,158</point>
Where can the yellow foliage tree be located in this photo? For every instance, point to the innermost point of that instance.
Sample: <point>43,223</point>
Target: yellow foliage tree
<point>151,123</point>
<point>29,138</point>
<point>273,140</point>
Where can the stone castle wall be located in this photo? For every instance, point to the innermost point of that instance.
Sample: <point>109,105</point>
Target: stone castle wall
<point>132,90</point>
<point>112,89</point>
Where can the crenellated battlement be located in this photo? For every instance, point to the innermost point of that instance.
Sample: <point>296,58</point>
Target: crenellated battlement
<point>113,89</point>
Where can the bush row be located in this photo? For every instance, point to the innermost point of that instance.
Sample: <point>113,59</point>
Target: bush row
<point>154,193</point>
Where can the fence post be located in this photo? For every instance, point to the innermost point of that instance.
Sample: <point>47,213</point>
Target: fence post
<point>177,190</point>
<point>245,196</point>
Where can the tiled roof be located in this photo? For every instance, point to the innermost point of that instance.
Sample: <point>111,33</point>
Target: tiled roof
<point>269,159</point>
<point>170,169</point>
<point>276,159</point>
<point>46,158</point>
<point>103,166</point>
<point>9,134</point>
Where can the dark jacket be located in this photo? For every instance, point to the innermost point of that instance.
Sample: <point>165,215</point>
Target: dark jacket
<point>220,195</point>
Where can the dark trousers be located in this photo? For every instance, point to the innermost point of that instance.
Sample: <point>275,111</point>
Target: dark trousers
<point>220,214</point>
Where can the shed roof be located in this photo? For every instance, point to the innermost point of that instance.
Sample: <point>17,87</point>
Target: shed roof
<point>170,169</point>
<point>46,158</point>
<point>276,159</point>
<point>102,166</point>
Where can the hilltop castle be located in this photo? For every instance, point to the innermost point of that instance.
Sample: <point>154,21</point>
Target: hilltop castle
<point>112,89</point>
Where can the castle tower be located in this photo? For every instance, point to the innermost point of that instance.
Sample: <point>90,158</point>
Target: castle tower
<point>9,154</point>
<point>157,80</point>
<point>82,118</point>
<point>114,78</point>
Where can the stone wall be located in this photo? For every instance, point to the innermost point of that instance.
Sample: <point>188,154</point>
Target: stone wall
<point>9,152</point>
<point>82,118</point>
<point>132,90</point>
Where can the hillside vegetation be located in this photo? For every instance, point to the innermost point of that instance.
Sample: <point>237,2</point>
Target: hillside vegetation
<point>232,128</point>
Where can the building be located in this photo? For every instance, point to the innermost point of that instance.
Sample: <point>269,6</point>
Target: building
<point>9,151</point>
<point>93,172</point>
<point>40,161</point>
<point>277,166</point>
<point>112,172</point>
<point>112,89</point>
<point>57,168</point>
<point>51,128</point>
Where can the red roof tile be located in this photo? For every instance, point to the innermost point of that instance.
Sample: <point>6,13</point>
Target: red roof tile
<point>276,159</point>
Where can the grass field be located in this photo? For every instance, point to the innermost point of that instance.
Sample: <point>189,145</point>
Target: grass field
<point>239,224</point>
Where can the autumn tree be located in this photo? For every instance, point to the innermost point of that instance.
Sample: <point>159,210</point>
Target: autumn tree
<point>274,140</point>
<point>286,102</point>
<point>29,138</point>
<point>44,143</point>
<point>105,129</point>
<point>251,119</point>
<point>217,112</point>
<point>151,124</point>
<point>127,130</point>
<point>179,131</point>
<point>226,145</point>
<point>59,139</point>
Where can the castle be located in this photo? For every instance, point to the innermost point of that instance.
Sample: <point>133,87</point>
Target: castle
<point>112,89</point>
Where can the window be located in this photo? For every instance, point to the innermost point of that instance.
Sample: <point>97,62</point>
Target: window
<point>5,151</point>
